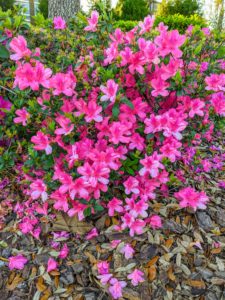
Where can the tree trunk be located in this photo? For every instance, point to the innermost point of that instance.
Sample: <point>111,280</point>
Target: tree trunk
<point>64,8</point>
<point>32,9</point>
<point>221,17</point>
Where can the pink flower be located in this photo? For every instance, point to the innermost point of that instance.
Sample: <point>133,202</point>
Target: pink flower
<point>92,234</point>
<point>66,126</point>
<point>115,243</point>
<point>92,174</point>
<point>137,227</point>
<point>17,262</point>
<point>19,46</point>
<point>151,165</point>
<point>104,278</point>
<point>103,267</point>
<point>196,107</point>
<point>215,82</point>
<point>159,87</point>
<point>128,251</point>
<point>59,23</point>
<point>63,84</point>
<point>52,265</point>
<point>136,277</point>
<point>4,105</point>
<point>41,142</point>
<point>147,25</point>
<point>64,251</point>
<point>38,189</point>
<point>23,116</point>
<point>92,22</point>
<point>28,76</point>
<point>109,91</point>
<point>114,205</point>
<point>155,221</point>
<point>116,288</point>
<point>218,103</point>
<point>131,186</point>
<point>189,197</point>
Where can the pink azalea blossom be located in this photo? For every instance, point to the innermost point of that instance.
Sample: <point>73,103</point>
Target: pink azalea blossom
<point>52,265</point>
<point>66,126</point>
<point>131,186</point>
<point>41,142</point>
<point>114,205</point>
<point>59,23</point>
<point>92,22</point>
<point>151,165</point>
<point>103,267</point>
<point>159,87</point>
<point>147,24</point>
<point>92,174</point>
<point>17,262</point>
<point>64,251</point>
<point>215,82</point>
<point>189,197</point>
<point>115,243</point>
<point>63,84</point>
<point>92,234</point>
<point>137,227</point>
<point>104,278</point>
<point>4,105</point>
<point>155,221</point>
<point>218,103</point>
<point>196,107</point>
<point>23,116</point>
<point>116,288</point>
<point>19,46</point>
<point>136,277</point>
<point>38,189</point>
<point>128,251</point>
<point>109,90</point>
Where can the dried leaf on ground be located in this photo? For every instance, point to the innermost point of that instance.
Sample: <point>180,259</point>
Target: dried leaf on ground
<point>70,224</point>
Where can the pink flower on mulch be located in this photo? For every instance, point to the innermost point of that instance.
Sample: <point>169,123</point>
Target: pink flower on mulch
<point>189,197</point>
<point>64,251</point>
<point>59,23</point>
<point>92,234</point>
<point>116,288</point>
<point>17,262</point>
<point>52,265</point>
<point>128,251</point>
<point>103,267</point>
<point>136,277</point>
<point>115,243</point>
<point>104,278</point>
<point>155,221</point>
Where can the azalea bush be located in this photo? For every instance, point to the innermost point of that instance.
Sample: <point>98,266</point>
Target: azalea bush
<point>96,119</point>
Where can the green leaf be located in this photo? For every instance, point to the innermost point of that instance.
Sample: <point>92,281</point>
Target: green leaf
<point>87,212</point>
<point>116,110</point>
<point>98,207</point>
<point>127,102</point>
<point>4,53</point>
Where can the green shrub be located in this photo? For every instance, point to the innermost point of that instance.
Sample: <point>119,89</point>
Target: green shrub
<point>43,8</point>
<point>177,21</point>
<point>131,10</point>
<point>182,7</point>
<point>6,4</point>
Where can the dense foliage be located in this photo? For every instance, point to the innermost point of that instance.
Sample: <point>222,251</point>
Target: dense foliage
<point>95,119</point>
<point>43,7</point>
<point>178,22</point>
<point>6,4</point>
<point>131,10</point>
<point>182,7</point>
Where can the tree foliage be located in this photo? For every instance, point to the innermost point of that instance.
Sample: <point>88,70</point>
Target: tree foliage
<point>131,10</point>
<point>183,7</point>
<point>6,4</point>
<point>43,7</point>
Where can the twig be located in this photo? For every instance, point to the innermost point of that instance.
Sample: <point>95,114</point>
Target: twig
<point>4,88</point>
